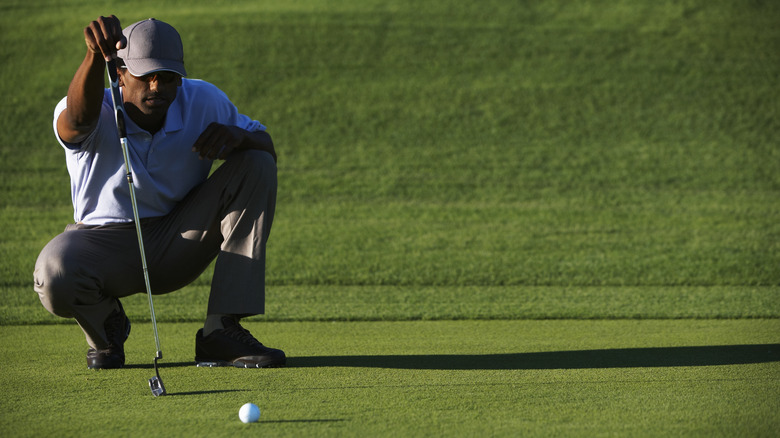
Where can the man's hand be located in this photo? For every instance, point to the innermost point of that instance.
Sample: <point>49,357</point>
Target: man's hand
<point>217,141</point>
<point>85,93</point>
<point>104,37</point>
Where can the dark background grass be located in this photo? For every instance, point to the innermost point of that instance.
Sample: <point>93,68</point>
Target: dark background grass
<point>568,145</point>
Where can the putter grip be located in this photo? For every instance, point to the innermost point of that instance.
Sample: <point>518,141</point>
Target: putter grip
<point>120,123</point>
<point>116,97</point>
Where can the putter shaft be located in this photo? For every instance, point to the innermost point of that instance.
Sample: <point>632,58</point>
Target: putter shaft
<point>155,383</point>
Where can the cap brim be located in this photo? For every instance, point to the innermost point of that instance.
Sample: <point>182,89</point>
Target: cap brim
<point>143,67</point>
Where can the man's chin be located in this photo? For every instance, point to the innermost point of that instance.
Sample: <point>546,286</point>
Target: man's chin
<point>155,110</point>
<point>156,104</point>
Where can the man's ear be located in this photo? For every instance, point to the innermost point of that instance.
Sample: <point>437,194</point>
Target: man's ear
<point>119,77</point>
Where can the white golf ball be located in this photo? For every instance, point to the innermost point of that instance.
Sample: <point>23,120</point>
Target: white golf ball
<point>249,413</point>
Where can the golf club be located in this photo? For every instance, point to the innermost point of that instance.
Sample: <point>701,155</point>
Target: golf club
<point>155,383</point>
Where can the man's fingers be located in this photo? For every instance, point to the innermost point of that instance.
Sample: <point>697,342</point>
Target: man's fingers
<point>96,42</point>
<point>207,141</point>
<point>91,38</point>
<point>216,142</point>
<point>116,33</point>
<point>104,36</point>
<point>112,34</point>
<point>203,141</point>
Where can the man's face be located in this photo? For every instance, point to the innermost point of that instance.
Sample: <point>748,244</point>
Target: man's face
<point>147,98</point>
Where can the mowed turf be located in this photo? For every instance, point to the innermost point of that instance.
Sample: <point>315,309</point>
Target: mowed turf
<point>496,144</point>
<point>495,218</point>
<point>424,378</point>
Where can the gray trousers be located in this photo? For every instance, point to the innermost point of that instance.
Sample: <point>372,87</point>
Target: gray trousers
<point>82,271</point>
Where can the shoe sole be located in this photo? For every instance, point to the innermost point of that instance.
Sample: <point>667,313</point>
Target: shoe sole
<point>241,362</point>
<point>102,367</point>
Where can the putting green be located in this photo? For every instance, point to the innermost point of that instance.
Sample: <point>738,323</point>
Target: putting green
<point>499,378</point>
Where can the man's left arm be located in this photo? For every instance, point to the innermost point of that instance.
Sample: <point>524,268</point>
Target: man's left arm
<point>217,141</point>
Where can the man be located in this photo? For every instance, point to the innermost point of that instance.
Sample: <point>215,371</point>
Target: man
<point>176,128</point>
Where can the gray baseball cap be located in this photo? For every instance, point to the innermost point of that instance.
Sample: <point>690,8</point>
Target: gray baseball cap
<point>152,45</point>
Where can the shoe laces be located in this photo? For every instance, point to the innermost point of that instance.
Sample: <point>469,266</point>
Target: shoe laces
<point>234,330</point>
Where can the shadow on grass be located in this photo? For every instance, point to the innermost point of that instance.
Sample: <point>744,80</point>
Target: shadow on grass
<point>160,364</point>
<point>614,358</point>
<point>216,391</point>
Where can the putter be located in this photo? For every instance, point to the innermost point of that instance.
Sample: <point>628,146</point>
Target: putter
<point>155,383</point>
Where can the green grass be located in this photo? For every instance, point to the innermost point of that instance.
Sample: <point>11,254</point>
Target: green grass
<point>548,144</point>
<point>401,303</point>
<point>507,178</point>
<point>424,378</point>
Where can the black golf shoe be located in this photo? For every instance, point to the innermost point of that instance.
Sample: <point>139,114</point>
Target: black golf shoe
<point>234,346</point>
<point>117,330</point>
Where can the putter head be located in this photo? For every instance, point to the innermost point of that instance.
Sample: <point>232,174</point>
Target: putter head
<point>157,387</point>
<point>156,383</point>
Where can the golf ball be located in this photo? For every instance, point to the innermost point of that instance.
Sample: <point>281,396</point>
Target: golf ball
<point>249,413</point>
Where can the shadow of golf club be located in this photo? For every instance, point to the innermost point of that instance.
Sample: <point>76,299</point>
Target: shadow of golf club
<point>160,364</point>
<point>326,420</point>
<point>216,391</point>
<point>580,359</point>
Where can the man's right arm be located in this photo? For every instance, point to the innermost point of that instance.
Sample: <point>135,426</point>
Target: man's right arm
<point>85,94</point>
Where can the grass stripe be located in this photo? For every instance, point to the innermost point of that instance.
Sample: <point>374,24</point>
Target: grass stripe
<point>434,378</point>
<point>393,303</point>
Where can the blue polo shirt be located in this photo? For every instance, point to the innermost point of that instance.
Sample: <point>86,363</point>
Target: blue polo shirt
<point>164,167</point>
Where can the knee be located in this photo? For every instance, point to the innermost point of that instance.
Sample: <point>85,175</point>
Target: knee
<point>257,164</point>
<point>52,280</point>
